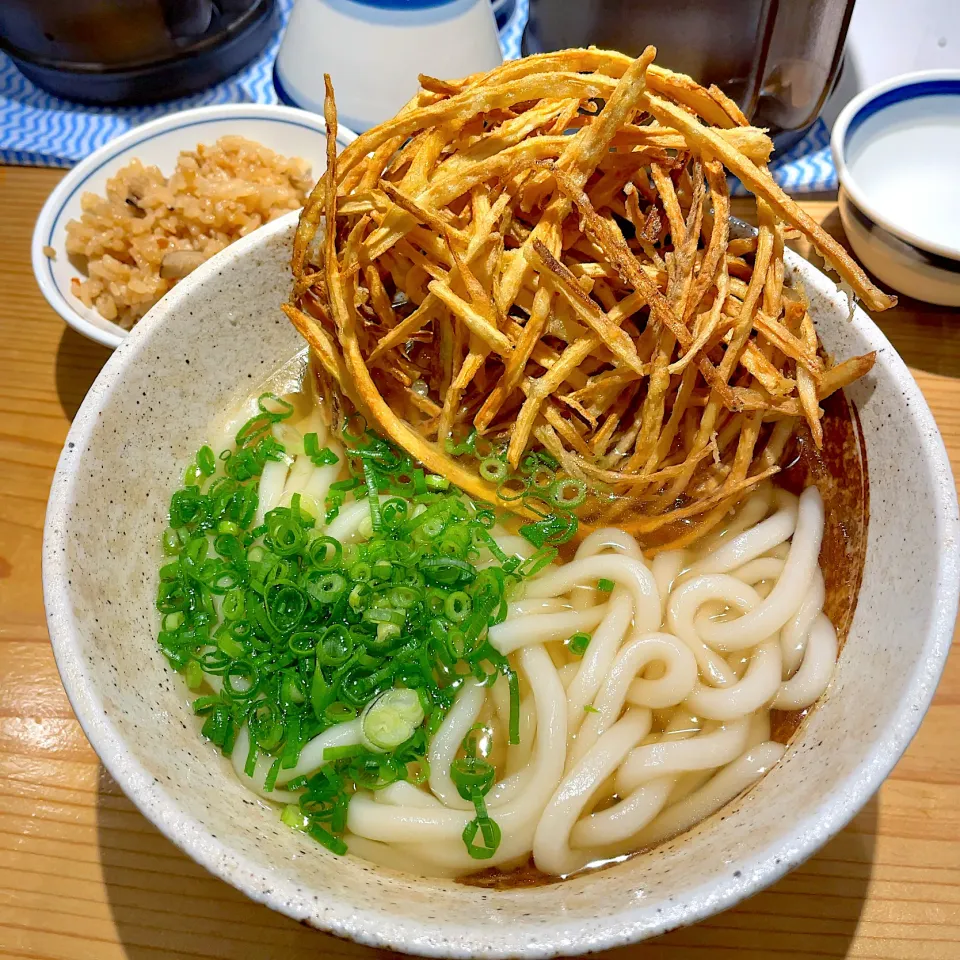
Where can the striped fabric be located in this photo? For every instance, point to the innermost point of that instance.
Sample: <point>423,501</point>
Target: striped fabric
<point>807,167</point>
<point>37,129</point>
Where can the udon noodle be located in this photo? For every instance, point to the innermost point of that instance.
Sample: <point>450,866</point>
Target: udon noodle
<point>662,719</point>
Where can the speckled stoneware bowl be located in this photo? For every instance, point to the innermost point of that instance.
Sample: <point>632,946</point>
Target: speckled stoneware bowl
<point>221,330</point>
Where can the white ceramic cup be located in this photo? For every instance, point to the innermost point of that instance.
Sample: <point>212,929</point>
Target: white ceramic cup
<point>895,148</point>
<point>375,49</point>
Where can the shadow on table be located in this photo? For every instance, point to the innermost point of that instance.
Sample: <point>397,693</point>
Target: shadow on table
<point>79,360</point>
<point>165,906</point>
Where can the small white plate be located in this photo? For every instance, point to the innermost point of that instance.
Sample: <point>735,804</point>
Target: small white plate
<point>895,148</point>
<point>288,131</point>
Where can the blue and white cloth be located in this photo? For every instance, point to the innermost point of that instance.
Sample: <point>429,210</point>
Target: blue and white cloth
<point>37,129</point>
<point>807,167</point>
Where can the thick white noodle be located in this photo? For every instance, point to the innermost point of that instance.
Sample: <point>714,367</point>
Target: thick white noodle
<point>297,479</point>
<point>751,543</point>
<point>446,742</point>
<point>514,850</point>
<point>793,636</point>
<point>753,691</point>
<point>352,521</point>
<point>692,594</point>
<point>567,672</point>
<point>621,679</point>
<point>600,541</point>
<point>514,546</point>
<point>626,571</point>
<point>318,485</point>
<point>311,756</point>
<point>717,791</point>
<point>408,825</point>
<point>241,747</point>
<point>666,568</point>
<point>516,768</point>
<point>270,488</point>
<point>750,514</point>
<point>523,608</point>
<point>404,794</point>
<point>396,857</point>
<point>680,622</point>
<point>620,822</point>
<point>551,842</point>
<point>541,628</point>
<point>709,749</point>
<point>811,679</point>
<point>612,539</point>
<point>518,756</point>
<point>609,831</point>
<point>763,568</point>
<point>768,617</point>
<point>599,655</point>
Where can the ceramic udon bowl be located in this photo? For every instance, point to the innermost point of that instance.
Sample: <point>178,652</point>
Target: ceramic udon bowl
<point>215,336</point>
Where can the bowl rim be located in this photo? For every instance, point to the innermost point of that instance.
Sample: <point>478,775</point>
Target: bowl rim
<point>76,179</point>
<point>858,109</point>
<point>363,923</point>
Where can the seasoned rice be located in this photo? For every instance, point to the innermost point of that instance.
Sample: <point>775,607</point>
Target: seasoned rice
<point>150,231</point>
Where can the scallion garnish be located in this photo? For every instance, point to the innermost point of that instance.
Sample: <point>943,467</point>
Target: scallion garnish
<point>302,632</point>
<point>320,456</point>
<point>578,644</point>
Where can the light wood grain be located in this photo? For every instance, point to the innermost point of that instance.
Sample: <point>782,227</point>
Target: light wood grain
<point>84,877</point>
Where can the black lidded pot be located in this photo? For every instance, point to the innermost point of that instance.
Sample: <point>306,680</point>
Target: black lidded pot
<point>126,52</point>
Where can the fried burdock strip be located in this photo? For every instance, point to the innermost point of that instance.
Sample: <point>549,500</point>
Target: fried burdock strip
<point>543,253</point>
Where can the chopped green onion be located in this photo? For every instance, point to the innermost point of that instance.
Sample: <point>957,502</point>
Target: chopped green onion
<point>339,712</point>
<point>457,606</point>
<point>494,470</point>
<point>578,644</point>
<point>320,456</point>
<point>489,830</point>
<point>194,675</point>
<point>471,775</point>
<point>306,632</point>
<point>171,541</point>
<point>283,407</point>
<point>270,780</point>
<point>605,585</point>
<point>514,684</point>
<point>327,839</point>
<point>434,482</point>
<point>391,719</point>
<point>293,817</point>
<point>339,753</point>
<point>461,449</point>
<point>567,493</point>
<point>206,461</point>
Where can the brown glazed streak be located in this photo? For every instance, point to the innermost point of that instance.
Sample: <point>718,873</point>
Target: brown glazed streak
<point>839,471</point>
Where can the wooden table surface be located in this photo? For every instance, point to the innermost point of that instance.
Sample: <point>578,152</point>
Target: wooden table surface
<point>83,876</point>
